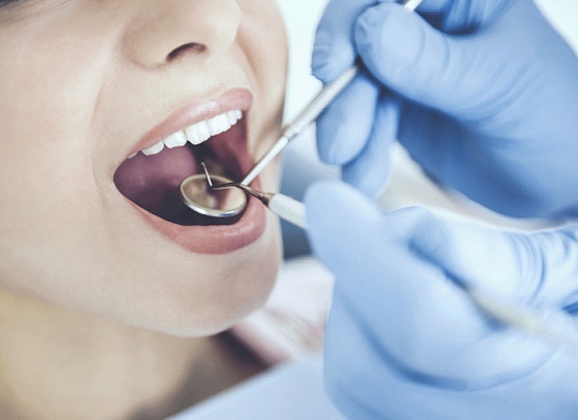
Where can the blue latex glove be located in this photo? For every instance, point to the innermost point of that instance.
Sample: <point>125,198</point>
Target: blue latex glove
<point>403,341</point>
<point>483,94</point>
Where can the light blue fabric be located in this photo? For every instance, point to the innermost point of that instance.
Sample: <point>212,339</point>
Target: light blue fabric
<point>403,341</point>
<point>483,94</point>
<point>288,392</point>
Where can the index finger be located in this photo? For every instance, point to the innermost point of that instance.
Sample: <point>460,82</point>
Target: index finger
<point>334,50</point>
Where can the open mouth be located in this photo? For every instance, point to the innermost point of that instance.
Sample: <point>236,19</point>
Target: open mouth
<point>151,178</point>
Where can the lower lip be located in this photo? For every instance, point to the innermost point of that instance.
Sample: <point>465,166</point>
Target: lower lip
<point>216,239</point>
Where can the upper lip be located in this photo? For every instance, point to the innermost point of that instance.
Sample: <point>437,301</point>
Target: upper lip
<point>237,98</point>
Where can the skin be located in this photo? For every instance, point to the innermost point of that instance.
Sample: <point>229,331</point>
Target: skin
<point>87,289</point>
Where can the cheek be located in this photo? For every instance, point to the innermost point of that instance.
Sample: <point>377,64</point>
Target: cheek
<point>48,225</point>
<point>42,183</point>
<point>46,138</point>
<point>264,40</point>
<point>47,185</point>
<point>45,173</point>
<point>52,77</point>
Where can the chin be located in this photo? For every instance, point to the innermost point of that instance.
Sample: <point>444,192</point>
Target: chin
<point>207,273</point>
<point>241,284</point>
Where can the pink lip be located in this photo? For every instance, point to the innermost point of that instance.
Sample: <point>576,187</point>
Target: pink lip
<point>233,99</point>
<point>218,239</point>
<point>214,239</point>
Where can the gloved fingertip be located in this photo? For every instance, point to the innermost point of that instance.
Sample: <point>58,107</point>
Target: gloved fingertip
<point>329,138</point>
<point>430,240</point>
<point>373,27</point>
<point>338,214</point>
<point>332,56</point>
<point>335,142</point>
<point>394,46</point>
<point>369,22</point>
<point>370,171</point>
<point>344,127</point>
<point>370,185</point>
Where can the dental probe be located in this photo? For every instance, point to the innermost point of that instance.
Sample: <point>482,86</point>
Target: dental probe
<point>311,111</point>
<point>307,116</point>
<point>303,120</point>
<point>282,205</point>
<point>192,187</point>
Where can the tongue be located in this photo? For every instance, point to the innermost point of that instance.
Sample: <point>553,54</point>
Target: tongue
<point>152,182</point>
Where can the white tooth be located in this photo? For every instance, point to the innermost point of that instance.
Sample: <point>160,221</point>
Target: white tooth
<point>133,155</point>
<point>204,130</point>
<point>154,149</point>
<point>176,140</point>
<point>198,133</point>
<point>191,133</point>
<point>233,116</point>
<point>219,124</point>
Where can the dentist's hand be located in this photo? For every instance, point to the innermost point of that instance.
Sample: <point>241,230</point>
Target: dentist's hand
<point>483,94</point>
<point>404,341</point>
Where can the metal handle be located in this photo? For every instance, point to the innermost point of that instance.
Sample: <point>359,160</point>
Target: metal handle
<point>309,114</point>
<point>289,209</point>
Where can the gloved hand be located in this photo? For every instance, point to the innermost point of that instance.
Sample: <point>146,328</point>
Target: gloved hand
<point>403,341</point>
<point>483,95</point>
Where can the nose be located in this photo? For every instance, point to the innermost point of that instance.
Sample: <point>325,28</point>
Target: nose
<point>164,31</point>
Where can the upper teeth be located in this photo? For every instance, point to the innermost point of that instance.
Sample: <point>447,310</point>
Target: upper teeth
<point>198,132</point>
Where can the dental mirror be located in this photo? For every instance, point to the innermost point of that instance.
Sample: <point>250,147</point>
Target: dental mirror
<point>197,190</point>
<point>198,194</point>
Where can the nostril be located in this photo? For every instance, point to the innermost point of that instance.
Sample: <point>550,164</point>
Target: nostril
<point>191,47</point>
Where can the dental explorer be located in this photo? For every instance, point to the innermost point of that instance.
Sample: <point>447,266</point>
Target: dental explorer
<point>312,111</point>
<point>302,121</point>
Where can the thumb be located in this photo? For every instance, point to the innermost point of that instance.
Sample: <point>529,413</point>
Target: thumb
<point>334,51</point>
<point>441,71</point>
<point>539,268</point>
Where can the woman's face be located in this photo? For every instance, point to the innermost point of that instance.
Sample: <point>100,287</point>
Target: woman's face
<point>86,84</point>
